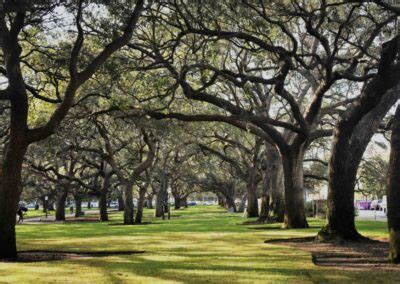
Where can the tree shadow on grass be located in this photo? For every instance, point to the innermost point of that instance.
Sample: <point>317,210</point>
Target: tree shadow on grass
<point>54,255</point>
<point>346,255</point>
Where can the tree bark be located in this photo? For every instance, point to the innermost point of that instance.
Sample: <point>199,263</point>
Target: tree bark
<point>139,212</point>
<point>161,198</point>
<point>242,204</point>
<point>128,204</point>
<point>393,191</point>
<point>252,200</point>
<point>10,190</point>
<point>78,205</point>
<point>61,196</point>
<point>295,216</point>
<point>120,202</point>
<point>177,202</point>
<point>103,197</point>
<point>103,206</point>
<point>264,210</point>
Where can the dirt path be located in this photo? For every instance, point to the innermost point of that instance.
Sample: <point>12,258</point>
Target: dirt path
<point>365,255</point>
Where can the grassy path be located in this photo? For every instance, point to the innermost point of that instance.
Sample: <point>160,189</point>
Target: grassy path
<point>198,245</point>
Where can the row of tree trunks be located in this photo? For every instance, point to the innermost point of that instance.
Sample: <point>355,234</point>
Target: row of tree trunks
<point>252,198</point>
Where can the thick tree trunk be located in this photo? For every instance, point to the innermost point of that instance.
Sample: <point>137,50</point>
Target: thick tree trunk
<point>10,191</point>
<point>78,205</point>
<point>103,206</point>
<point>220,200</point>
<point>351,137</point>
<point>139,212</point>
<point>61,196</point>
<point>295,216</point>
<point>393,191</point>
<point>185,202</point>
<point>120,202</point>
<point>264,210</point>
<point>103,197</point>
<point>177,202</point>
<point>162,196</point>
<point>251,188</point>
<point>242,204</point>
<point>128,204</point>
<point>275,186</point>
<point>252,201</point>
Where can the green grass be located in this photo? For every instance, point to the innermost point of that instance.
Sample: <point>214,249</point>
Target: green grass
<point>200,244</point>
<point>31,213</point>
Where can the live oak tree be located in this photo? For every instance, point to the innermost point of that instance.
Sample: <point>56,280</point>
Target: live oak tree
<point>126,174</point>
<point>351,137</point>
<point>15,21</point>
<point>242,59</point>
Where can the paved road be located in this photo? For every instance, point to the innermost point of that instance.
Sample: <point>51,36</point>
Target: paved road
<point>371,215</point>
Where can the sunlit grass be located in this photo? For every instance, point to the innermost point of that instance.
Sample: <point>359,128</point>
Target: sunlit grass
<point>199,244</point>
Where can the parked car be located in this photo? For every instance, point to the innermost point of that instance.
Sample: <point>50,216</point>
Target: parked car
<point>114,204</point>
<point>192,203</point>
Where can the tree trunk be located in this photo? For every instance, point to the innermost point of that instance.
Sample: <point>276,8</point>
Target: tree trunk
<point>78,205</point>
<point>349,145</point>
<point>120,202</point>
<point>393,191</point>
<point>264,210</point>
<point>103,205</point>
<point>295,216</point>
<point>351,137</point>
<point>230,202</point>
<point>252,201</point>
<point>242,204</point>
<point>177,202</point>
<point>184,202</point>
<point>61,196</point>
<point>162,195</point>
<point>220,200</point>
<point>149,202</point>
<point>128,204</point>
<point>139,212</point>
<point>103,197</point>
<point>10,191</point>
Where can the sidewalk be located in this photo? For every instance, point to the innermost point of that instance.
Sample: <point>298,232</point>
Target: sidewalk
<point>371,215</point>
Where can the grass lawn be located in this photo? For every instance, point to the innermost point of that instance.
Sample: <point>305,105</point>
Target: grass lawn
<point>199,244</point>
<point>31,213</point>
